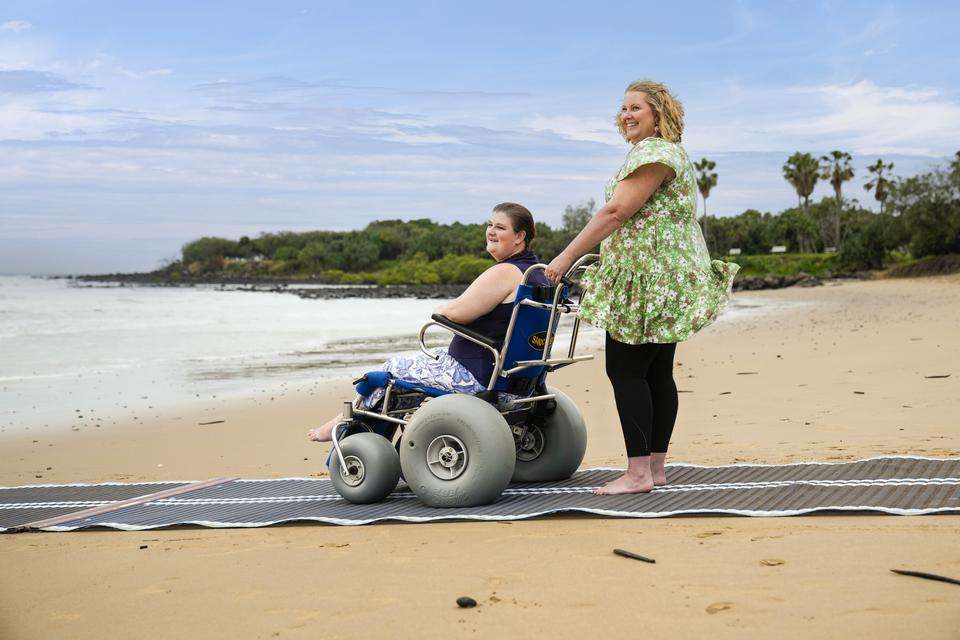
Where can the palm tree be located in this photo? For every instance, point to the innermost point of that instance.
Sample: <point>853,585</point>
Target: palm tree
<point>879,183</point>
<point>802,171</point>
<point>835,168</point>
<point>706,179</point>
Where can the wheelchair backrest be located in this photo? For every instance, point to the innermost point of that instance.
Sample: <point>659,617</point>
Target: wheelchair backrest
<point>528,338</point>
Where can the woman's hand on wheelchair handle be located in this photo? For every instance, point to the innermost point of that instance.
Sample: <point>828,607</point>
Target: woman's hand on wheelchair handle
<point>558,267</point>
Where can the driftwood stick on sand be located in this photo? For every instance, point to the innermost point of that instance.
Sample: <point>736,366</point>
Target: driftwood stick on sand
<point>635,556</point>
<point>928,576</point>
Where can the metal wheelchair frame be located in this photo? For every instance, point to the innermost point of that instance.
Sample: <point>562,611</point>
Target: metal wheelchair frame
<point>353,408</point>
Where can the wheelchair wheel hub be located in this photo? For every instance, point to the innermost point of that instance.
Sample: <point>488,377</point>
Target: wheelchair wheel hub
<point>353,472</point>
<point>446,457</point>
<point>529,441</point>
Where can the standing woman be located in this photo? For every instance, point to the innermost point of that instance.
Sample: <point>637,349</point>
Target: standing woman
<point>655,284</point>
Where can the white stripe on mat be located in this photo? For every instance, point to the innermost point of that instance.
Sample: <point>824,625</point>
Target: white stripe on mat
<point>520,491</point>
<point>738,465</point>
<point>55,505</point>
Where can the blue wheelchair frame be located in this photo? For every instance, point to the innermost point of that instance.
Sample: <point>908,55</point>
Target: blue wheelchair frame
<point>520,364</point>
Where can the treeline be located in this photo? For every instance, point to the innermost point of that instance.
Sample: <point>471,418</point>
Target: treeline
<point>384,252</point>
<point>920,216</point>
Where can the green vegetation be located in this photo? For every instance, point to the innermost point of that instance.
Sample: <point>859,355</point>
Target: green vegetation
<point>929,266</point>
<point>802,172</point>
<point>835,169</point>
<point>822,265</point>
<point>706,179</point>
<point>879,184</point>
<point>385,252</point>
<point>920,217</point>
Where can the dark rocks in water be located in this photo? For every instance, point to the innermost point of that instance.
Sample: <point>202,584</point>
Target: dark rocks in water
<point>419,291</point>
<point>466,602</point>
<point>306,288</point>
<point>303,289</point>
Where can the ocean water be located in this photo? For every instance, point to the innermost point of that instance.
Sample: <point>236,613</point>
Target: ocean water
<point>96,354</point>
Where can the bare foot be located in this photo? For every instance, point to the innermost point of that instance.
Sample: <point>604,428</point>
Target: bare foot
<point>325,432</point>
<point>626,484</point>
<point>657,461</point>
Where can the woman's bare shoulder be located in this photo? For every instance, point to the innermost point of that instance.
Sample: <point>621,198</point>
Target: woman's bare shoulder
<point>500,274</point>
<point>502,268</point>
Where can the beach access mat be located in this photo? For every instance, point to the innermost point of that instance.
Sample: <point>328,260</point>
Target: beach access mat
<point>893,485</point>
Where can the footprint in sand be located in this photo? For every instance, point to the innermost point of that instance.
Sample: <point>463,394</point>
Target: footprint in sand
<point>717,607</point>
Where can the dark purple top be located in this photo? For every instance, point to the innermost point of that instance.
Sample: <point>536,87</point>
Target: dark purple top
<point>478,360</point>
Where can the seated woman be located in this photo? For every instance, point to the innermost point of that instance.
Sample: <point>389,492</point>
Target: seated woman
<point>484,307</point>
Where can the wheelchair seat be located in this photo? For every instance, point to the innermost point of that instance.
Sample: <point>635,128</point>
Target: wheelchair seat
<point>373,380</point>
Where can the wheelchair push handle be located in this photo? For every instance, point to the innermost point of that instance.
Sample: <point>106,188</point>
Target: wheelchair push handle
<point>580,265</point>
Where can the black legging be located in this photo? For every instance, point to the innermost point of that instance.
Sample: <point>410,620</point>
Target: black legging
<point>646,395</point>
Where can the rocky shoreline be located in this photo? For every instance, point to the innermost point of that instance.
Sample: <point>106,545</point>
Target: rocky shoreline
<point>320,291</point>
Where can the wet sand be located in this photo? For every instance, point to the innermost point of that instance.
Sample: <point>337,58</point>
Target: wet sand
<point>841,377</point>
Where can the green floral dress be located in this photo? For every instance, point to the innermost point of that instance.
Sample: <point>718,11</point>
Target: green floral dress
<point>655,281</point>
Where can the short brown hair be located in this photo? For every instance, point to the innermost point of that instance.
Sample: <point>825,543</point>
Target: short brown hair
<point>520,218</point>
<point>667,110</point>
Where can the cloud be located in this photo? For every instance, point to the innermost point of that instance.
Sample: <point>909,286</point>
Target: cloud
<point>20,81</point>
<point>273,85</point>
<point>16,26</point>
<point>279,152</point>
<point>590,129</point>
<point>867,118</point>
<point>137,75</point>
<point>860,117</point>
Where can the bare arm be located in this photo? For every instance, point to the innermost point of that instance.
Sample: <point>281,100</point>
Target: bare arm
<point>630,195</point>
<point>490,288</point>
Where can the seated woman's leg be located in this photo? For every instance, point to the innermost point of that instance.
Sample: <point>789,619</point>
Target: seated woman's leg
<point>443,373</point>
<point>324,433</point>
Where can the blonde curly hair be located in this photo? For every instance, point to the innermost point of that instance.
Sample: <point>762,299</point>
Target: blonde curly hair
<point>667,110</point>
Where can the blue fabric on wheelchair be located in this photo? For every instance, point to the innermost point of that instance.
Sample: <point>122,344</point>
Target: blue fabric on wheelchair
<point>528,341</point>
<point>374,380</point>
<point>433,392</point>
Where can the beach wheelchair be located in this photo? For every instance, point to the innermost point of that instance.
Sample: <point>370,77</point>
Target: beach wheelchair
<point>458,449</point>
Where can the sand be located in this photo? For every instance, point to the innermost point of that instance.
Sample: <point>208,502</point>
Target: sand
<point>776,388</point>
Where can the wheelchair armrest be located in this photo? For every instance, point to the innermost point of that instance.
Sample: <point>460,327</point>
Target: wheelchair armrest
<point>447,322</point>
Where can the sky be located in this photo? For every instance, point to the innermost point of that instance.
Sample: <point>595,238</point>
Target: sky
<point>129,129</point>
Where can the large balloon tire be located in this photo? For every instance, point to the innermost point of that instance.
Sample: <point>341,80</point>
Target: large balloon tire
<point>451,426</point>
<point>564,442</point>
<point>378,471</point>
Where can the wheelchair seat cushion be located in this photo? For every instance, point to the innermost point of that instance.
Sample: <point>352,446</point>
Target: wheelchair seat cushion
<point>374,380</point>
<point>419,373</point>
